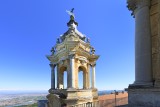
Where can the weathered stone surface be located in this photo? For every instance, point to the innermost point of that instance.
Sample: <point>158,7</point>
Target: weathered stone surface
<point>154,7</point>
<point>154,24</point>
<point>144,97</point>
<point>54,100</point>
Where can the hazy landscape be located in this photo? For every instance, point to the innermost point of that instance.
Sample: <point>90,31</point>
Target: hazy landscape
<point>19,98</point>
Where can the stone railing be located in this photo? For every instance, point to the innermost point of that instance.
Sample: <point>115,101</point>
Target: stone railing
<point>89,104</point>
<point>44,103</point>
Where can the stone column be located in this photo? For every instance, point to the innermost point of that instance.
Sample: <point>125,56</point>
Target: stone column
<point>72,71</point>
<point>52,75</point>
<point>85,81</point>
<point>58,77</point>
<point>143,70</point>
<point>93,75</point>
<point>61,80</point>
<point>88,77</point>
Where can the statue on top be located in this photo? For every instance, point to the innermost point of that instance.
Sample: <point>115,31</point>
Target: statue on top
<point>71,14</point>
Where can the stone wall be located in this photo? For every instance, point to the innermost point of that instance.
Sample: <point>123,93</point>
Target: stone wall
<point>155,41</point>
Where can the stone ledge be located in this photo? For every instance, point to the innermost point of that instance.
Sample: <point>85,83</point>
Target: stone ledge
<point>140,87</point>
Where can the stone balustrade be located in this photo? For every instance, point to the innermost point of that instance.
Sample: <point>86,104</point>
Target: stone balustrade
<point>88,104</point>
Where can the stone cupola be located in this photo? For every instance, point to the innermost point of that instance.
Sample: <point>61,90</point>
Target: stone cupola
<point>72,54</point>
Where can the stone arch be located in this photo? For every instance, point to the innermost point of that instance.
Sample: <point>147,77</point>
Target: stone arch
<point>62,79</point>
<point>84,75</point>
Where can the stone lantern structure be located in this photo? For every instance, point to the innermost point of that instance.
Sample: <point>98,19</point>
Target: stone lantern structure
<point>72,54</point>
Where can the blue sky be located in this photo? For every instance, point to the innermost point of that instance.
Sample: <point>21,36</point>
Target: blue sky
<point>29,28</point>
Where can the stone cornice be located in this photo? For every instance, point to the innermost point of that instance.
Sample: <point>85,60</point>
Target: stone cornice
<point>133,5</point>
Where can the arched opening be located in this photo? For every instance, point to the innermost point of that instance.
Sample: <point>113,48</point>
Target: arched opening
<point>82,77</point>
<point>62,77</point>
<point>65,79</point>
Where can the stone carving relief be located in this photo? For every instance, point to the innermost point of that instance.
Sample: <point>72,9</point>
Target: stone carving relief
<point>82,47</point>
<point>60,48</point>
<point>62,62</point>
<point>83,62</point>
<point>72,37</point>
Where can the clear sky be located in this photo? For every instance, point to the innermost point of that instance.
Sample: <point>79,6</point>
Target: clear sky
<point>29,28</point>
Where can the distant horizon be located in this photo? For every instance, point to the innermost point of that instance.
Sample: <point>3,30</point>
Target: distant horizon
<point>24,92</point>
<point>44,90</point>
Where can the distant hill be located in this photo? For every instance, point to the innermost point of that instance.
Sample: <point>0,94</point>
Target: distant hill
<point>5,92</point>
<point>20,98</point>
<point>108,92</point>
<point>31,105</point>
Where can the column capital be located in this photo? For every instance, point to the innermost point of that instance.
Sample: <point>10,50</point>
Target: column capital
<point>133,5</point>
<point>93,65</point>
<point>52,65</point>
<point>72,56</point>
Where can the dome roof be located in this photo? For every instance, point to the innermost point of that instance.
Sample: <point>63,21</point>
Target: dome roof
<point>72,28</point>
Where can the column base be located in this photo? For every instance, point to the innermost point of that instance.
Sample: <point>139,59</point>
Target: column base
<point>51,90</point>
<point>141,84</point>
<point>71,89</point>
<point>143,97</point>
<point>157,83</point>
